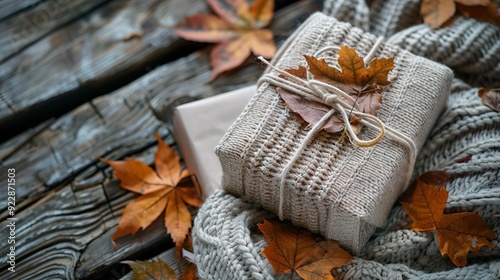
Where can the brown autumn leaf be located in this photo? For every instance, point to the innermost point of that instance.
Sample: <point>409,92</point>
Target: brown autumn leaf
<point>311,112</point>
<point>162,190</point>
<point>151,270</point>
<point>427,205</point>
<point>295,250</point>
<point>190,272</point>
<point>490,97</point>
<point>437,12</point>
<point>361,82</point>
<point>486,13</point>
<point>457,233</point>
<point>331,256</point>
<point>237,29</point>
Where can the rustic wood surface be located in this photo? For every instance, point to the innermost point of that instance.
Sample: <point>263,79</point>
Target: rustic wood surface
<point>26,28</point>
<point>89,57</point>
<point>10,8</point>
<point>68,204</point>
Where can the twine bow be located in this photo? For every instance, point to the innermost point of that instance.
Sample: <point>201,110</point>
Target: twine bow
<point>339,101</point>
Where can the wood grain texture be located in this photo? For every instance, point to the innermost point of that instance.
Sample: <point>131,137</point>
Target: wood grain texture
<point>10,8</point>
<point>117,124</point>
<point>90,56</point>
<point>24,29</point>
<point>65,223</point>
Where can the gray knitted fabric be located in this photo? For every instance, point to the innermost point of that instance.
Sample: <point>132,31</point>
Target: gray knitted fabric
<point>226,241</point>
<point>334,188</point>
<point>468,46</point>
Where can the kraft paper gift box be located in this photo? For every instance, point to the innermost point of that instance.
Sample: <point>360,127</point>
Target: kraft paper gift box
<point>198,128</point>
<point>338,189</point>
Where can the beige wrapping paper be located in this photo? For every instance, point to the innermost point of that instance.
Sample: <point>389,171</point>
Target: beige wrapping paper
<point>337,189</point>
<point>198,128</point>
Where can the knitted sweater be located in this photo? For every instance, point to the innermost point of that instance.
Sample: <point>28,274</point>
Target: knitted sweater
<point>227,244</point>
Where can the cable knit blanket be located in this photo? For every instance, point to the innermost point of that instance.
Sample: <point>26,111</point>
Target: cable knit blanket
<point>228,246</point>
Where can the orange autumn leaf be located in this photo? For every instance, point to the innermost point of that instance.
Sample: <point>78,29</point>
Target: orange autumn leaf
<point>295,250</point>
<point>151,270</point>
<point>457,233</point>
<point>237,29</point>
<point>437,12</point>
<point>490,97</point>
<point>427,206</point>
<point>190,272</point>
<point>162,190</point>
<point>330,256</point>
<point>363,83</point>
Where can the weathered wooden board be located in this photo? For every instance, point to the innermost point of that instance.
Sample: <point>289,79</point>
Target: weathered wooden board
<point>10,8</point>
<point>89,57</point>
<point>65,233</point>
<point>24,29</point>
<point>117,124</point>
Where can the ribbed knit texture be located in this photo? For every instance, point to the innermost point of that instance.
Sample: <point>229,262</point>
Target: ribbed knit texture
<point>469,46</point>
<point>466,130</point>
<point>337,189</point>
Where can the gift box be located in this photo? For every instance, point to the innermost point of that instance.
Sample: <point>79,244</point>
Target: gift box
<point>340,190</point>
<point>198,128</point>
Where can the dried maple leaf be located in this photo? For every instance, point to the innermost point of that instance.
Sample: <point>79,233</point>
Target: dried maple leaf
<point>363,83</point>
<point>237,29</point>
<point>486,13</point>
<point>427,205</point>
<point>190,272</point>
<point>490,97</point>
<point>151,270</point>
<point>312,112</point>
<point>161,190</point>
<point>437,12</point>
<point>457,233</point>
<point>295,250</point>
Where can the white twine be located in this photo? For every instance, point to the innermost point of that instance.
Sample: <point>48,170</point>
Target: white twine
<point>322,92</point>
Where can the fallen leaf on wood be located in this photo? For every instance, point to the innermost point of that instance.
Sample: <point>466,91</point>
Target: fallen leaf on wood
<point>490,97</point>
<point>295,250</point>
<point>151,270</point>
<point>457,233</point>
<point>437,12</point>
<point>190,272</point>
<point>163,189</point>
<point>237,29</point>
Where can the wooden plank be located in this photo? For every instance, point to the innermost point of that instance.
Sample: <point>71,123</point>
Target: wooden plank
<point>9,8</point>
<point>21,30</point>
<point>59,233</point>
<point>88,58</point>
<point>122,122</point>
